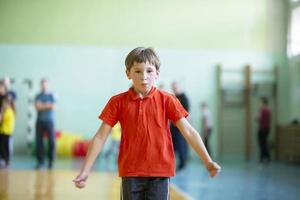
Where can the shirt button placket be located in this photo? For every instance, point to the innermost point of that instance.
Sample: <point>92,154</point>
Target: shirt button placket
<point>141,108</point>
<point>140,115</point>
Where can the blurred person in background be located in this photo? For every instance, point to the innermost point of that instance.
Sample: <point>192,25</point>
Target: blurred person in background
<point>264,126</point>
<point>207,125</point>
<point>44,104</point>
<point>179,143</point>
<point>12,97</point>
<point>7,125</point>
<point>113,149</point>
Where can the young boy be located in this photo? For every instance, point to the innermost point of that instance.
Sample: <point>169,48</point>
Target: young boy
<point>146,158</point>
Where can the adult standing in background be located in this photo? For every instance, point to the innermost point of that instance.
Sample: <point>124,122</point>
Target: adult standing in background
<point>207,125</point>
<point>44,104</point>
<point>179,143</point>
<point>264,125</point>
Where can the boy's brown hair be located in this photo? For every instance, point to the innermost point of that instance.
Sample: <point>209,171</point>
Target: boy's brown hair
<point>142,55</point>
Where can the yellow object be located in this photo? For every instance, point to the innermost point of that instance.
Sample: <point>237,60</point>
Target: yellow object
<point>7,125</point>
<point>116,132</point>
<point>65,143</point>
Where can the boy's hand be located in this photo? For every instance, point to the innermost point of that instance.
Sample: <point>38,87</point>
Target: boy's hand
<point>80,180</point>
<point>213,168</point>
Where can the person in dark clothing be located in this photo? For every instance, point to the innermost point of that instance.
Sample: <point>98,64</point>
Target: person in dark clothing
<point>179,143</point>
<point>44,104</point>
<point>264,125</point>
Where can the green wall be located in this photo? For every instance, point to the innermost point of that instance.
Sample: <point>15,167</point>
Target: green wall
<point>233,24</point>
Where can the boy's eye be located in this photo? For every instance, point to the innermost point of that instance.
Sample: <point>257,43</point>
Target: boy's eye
<point>150,71</point>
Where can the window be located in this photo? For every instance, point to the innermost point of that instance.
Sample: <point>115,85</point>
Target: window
<point>294,34</point>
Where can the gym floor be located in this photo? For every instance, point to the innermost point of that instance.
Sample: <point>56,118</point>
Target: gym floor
<point>238,180</point>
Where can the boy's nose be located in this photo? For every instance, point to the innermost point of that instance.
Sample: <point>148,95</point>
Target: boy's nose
<point>144,75</point>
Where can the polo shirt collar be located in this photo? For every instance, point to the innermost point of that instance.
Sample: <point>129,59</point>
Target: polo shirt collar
<point>134,96</point>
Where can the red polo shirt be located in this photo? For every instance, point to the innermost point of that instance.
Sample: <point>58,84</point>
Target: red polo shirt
<point>146,146</point>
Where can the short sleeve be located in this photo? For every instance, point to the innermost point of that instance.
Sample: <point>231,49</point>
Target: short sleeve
<point>109,114</point>
<point>175,110</point>
<point>12,95</point>
<point>53,98</point>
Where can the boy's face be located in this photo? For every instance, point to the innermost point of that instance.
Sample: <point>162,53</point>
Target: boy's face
<point>143,76</point>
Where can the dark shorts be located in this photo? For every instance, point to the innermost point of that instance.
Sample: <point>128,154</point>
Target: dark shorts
<point>145,188</point>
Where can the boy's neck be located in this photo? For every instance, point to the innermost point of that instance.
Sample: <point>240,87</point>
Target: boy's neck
<point>140,94</point>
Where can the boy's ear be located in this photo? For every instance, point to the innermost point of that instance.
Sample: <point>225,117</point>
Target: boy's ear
<point>127,74</point>
<point>157,73</point>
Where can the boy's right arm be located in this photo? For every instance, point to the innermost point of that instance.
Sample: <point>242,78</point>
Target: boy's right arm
<point>95,148</point>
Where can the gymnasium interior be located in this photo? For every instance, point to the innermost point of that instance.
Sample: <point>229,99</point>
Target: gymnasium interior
<point>228,54</point>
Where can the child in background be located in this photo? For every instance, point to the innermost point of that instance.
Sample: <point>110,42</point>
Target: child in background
<point>115,143</point>
<point>146,158</point>
<point>264,126</point>
<point>7,125</point>
<point>207,125</point>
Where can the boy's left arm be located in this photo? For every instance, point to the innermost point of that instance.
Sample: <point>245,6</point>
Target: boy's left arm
<point>194,139</point>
